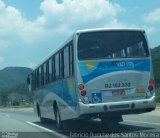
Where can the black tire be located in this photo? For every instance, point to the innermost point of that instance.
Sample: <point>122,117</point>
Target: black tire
<point>59,122</point>
<point>42,119</point>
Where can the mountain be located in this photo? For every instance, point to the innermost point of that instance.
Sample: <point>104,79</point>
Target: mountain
<point>13,76</point>
<point>13,86</point>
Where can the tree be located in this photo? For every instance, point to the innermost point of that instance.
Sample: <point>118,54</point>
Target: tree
<point>3,99</point>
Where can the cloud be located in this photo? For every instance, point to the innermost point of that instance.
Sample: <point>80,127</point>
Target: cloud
<point>75,14</point>
<point>12,24</point>
<point>11,21</point>
<point>4,44</point>
<point>115,24</point>
<point>153,16</point>
<point>56,19</point>
<point>62,19</point>
<point>1,60</point>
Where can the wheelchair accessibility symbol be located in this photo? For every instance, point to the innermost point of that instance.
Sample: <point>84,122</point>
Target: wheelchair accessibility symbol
<point>96,97</point>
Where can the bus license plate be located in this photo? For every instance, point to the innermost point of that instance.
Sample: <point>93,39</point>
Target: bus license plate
<point>119,92</point>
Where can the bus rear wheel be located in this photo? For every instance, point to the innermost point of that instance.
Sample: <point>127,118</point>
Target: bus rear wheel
<point>42,119</point>
<point>59,122</point>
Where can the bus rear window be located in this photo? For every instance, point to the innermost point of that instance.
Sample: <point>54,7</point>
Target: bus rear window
<point>112,44</point>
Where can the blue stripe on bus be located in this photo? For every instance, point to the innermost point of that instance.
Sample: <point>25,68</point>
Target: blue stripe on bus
<point>69,94</point>
<point>65,90</point>
<point>90,71</point>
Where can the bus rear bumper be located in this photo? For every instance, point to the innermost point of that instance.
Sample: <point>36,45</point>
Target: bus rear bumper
<point>125,107</point>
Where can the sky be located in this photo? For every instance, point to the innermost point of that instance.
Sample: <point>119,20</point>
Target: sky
<point>30,30</point>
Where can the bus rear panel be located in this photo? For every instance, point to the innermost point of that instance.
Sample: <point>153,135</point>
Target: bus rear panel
<point>97,73</point>
<point>114,72</point>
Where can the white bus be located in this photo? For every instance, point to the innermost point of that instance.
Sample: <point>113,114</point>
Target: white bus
<point>97,73</point>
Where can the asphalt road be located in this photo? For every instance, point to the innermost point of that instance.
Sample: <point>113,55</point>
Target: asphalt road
<point>21,123</point>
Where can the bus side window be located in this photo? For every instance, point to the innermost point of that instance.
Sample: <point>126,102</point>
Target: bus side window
<point>40,75</point>
<point>37,78</point>
<point>32,81</point>
<point>53,69</point>
<point>57,66</point>
<point>66,62</point>
<point>61,64</point>
<point>45,72</point>
<point>50,70</point>
<point>71,60</point>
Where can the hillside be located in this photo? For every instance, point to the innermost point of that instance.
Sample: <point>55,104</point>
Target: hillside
<point>13,76</point>
<point>155,52</point>
<point>13,87</point>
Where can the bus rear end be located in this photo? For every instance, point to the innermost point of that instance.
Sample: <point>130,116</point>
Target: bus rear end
<point>114,73</point>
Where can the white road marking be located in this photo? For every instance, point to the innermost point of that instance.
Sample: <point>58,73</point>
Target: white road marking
<point>158,124</point>
<point>46,129</point>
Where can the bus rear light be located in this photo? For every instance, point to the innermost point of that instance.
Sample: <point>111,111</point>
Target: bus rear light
<point>151,85</point>
<point>150,88</point>
<point>80,87</point>
<point>151,82</point>
<point>83,93</point>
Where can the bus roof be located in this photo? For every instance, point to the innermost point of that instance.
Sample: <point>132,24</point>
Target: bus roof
<point>110,29</point>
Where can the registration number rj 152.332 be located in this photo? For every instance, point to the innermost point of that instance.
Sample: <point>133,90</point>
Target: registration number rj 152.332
<point>117,85</point>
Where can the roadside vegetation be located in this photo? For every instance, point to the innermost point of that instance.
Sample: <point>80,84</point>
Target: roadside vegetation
<point>158,96</point>
<point>156,69</point>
